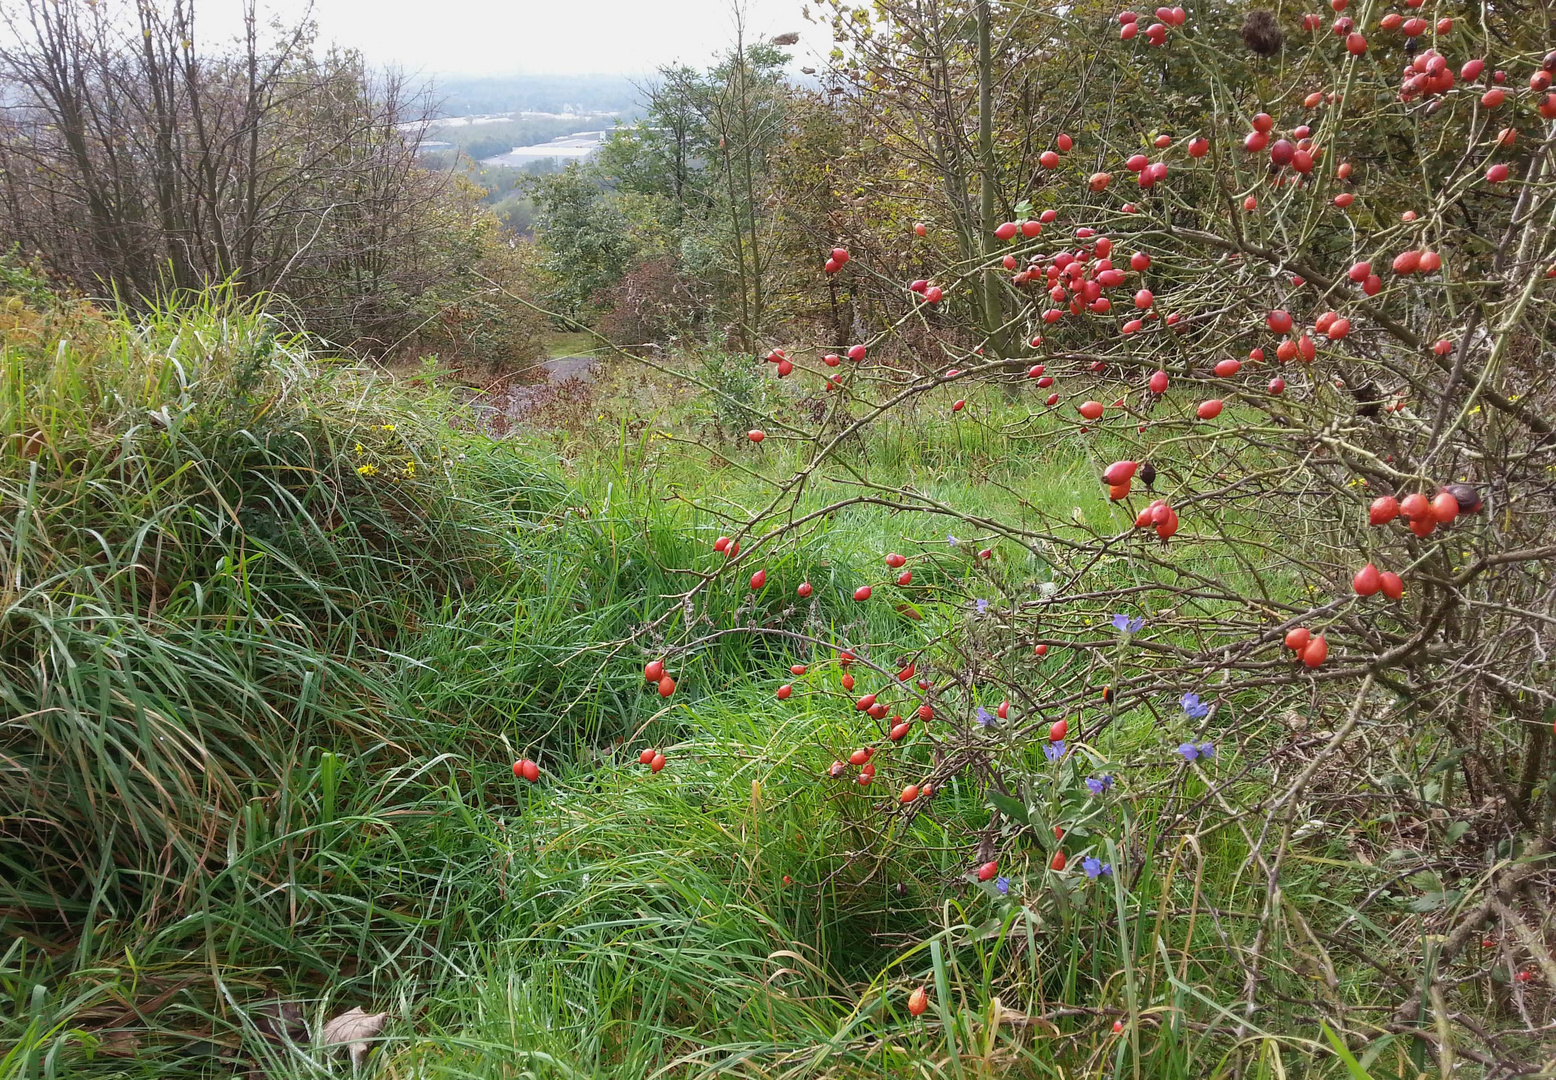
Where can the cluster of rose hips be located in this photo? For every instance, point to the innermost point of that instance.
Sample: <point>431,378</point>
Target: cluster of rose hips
<point>1428,74</point>
<point>785,367</point>
<point>1077,279</point>
<point>877,710</point>
<point>1300,156</point>
<point>1422,514</point>
<point>1049,159</point>
<point>1156,33</point>
<point>654,670</point>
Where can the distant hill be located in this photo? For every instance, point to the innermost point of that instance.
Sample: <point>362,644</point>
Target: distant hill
<point>463,95</point>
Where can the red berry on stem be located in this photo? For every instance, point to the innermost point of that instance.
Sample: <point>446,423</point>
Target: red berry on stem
<point>1367,580</point>
<point>1315,652</point>
<point>1383,510</point>
<point>1444,508</point>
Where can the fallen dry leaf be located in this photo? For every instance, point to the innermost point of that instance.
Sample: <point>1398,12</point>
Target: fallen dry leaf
<point>118,1043</point>
<point>353,1028</point>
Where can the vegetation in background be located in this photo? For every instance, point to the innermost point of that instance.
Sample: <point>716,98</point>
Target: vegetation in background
<point>136,161</point>
<point>693,181</point>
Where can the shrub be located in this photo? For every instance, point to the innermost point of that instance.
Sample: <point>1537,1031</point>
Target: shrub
<point>1115,677</point>
<point>651,307</point>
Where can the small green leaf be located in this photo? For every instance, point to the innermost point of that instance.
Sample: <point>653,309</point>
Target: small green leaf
<point>1014,809</point>
<point>1038,822</point>
<point>990,929</point>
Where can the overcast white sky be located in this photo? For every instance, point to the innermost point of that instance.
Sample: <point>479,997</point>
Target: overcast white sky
<point>503,37</point>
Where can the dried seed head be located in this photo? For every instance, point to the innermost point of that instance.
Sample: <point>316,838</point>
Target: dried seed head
<point>1262,34</point>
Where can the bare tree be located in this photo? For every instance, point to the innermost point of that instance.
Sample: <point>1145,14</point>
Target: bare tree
<point>136,160</point>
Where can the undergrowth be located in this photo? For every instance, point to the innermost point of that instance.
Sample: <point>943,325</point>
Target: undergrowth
<point>274,630</point>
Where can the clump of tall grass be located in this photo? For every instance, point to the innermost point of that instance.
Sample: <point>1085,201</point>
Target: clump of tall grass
<point>207,531</point>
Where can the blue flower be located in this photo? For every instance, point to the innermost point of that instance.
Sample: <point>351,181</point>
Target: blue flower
<point>1095,867</point>
<point>1002,885</point>
<point>984,718</point>
<point>1207,749</point>
<point>1188,750</point>
<point>1193,706</point>
<point>1054,750</point>
<point>1124,624</point>
<point>1097,785</point>
<point>950,539</point>
<point>983,606</point>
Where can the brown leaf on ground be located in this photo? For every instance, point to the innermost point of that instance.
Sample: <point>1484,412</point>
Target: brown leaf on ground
<point>352,1029</point>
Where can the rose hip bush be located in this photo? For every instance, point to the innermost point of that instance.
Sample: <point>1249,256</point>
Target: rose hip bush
<point>1284,286</point>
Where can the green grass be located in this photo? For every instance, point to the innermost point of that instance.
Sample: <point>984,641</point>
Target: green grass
<point>275,630</point>
<point>560,344</point>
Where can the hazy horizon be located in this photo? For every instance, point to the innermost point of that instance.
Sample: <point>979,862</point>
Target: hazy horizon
<point>475,39</point>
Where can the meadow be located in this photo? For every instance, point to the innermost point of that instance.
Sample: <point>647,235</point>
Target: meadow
<point>277,627</point>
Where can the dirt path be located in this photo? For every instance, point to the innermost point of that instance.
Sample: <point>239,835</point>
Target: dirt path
<point>550,372</point>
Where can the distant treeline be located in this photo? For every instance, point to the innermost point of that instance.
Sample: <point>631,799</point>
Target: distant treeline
<point>465,95</point>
